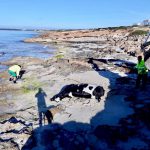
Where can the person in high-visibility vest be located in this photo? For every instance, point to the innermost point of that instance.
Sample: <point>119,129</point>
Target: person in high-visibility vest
<point>142,73</point>
<point>14,72</point>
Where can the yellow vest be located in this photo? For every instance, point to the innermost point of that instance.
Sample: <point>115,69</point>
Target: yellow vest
<point>141,67</point>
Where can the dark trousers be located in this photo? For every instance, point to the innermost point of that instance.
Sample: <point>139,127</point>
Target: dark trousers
<point>143,78</point>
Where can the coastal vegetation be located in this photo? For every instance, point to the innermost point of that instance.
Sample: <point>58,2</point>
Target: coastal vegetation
<point>138,32</point>
<point>31,85</point>
<point>114,28</point>
<point>59,56</point>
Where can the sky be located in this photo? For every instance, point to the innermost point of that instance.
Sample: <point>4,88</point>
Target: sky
<point>72,14</point>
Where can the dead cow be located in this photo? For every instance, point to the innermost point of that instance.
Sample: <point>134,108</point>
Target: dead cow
<point>80,90</point>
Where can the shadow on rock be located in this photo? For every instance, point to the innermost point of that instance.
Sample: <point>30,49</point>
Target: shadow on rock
<point>43,110</point>
<point>120,124</point>
<point>21,73</point>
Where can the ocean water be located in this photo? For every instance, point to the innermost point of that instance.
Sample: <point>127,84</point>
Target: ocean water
<point>12,45</point>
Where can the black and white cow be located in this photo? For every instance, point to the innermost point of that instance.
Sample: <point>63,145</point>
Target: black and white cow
<point>80,90</point>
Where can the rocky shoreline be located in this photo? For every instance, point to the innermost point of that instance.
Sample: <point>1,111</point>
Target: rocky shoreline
<point>101,57</point>
<point>92,41</point>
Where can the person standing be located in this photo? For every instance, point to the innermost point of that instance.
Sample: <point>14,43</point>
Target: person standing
<point>14,72</point>
<point>142,72</point>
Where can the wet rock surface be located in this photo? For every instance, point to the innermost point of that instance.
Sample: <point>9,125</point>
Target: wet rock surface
<point>2,53</point>
<point>14,133</point>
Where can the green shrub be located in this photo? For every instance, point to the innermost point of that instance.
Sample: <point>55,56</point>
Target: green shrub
<point>31,85</point>
<point>118,28</point>
<point>59,56</point>
<point>138,32</point>
<point>113,28</point>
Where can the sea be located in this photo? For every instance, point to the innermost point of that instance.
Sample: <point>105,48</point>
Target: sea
<point>12,45</point>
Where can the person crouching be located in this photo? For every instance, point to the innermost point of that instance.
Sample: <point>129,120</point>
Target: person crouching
<point>14,72</point>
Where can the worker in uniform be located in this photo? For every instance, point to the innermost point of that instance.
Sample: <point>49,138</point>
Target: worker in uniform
<point>142,73</point>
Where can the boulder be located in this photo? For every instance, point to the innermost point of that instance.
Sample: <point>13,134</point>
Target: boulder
<point>147,59</point>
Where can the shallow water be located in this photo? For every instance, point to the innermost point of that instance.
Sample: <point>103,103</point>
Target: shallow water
<point>12,45</point>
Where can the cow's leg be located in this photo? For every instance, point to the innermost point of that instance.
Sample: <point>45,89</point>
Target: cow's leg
<point>70,95</point>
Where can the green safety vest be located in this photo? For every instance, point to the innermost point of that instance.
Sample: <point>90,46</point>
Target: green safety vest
<point>141,67</point>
